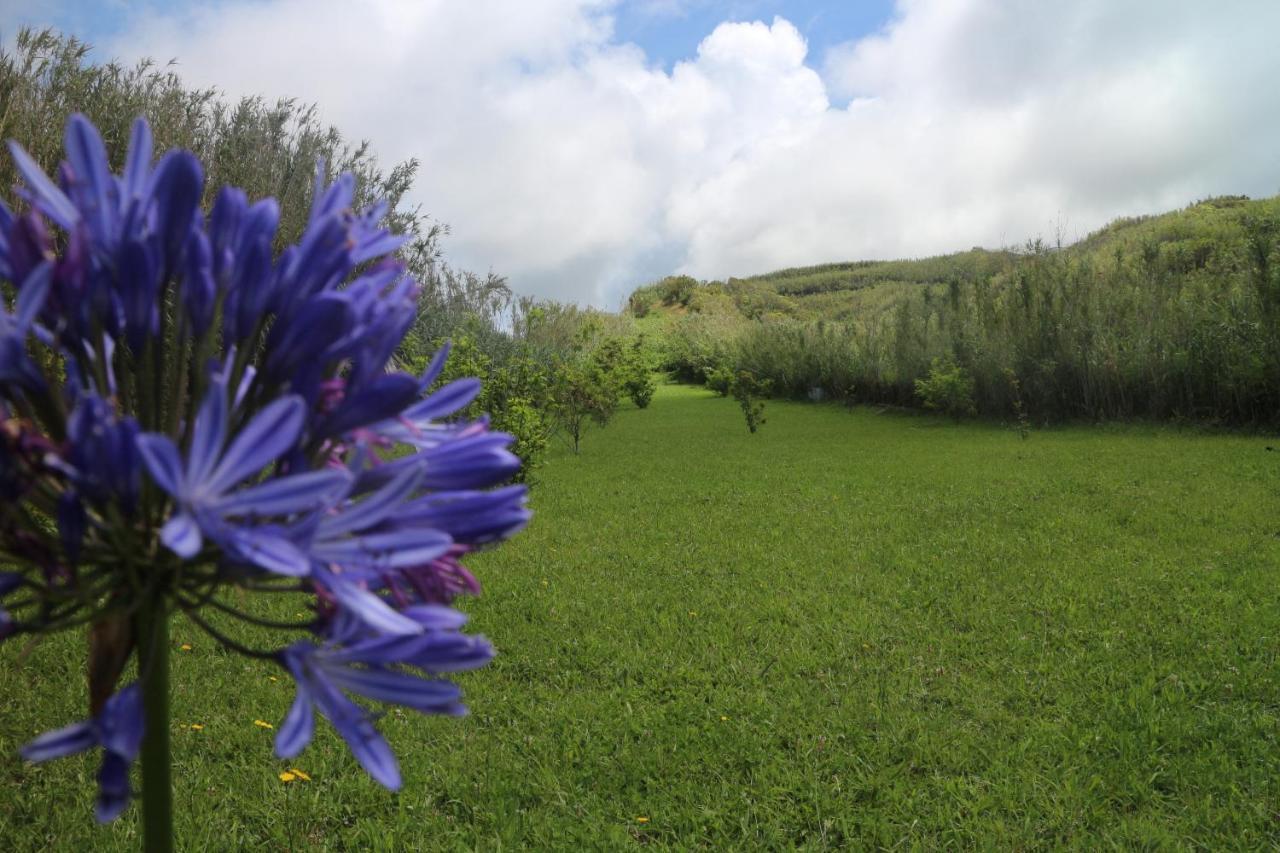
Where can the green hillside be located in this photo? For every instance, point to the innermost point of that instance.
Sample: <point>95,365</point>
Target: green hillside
<point>1197,238</point>
<point>1169,316</point>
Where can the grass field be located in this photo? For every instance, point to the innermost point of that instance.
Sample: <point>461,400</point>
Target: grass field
<point>850,629</point>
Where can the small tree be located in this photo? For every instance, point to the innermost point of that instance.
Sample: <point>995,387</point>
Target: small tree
<point>583,393</point>
<point>749,391</point>
<point>948,388</point>
<point>637,380</point>
<point>720,380</point>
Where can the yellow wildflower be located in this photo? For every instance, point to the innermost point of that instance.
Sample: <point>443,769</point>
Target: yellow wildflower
<point>303,776</point>
<point>186,647</point>
<point>263,724</point>
<point>642,819</point>
<point>287,776</point>
<point>196,727</point>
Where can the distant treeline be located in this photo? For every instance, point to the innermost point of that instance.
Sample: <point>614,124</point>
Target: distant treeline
<point>1171,317</point>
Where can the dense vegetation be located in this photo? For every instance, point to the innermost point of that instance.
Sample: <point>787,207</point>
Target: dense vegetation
<point>1175,316</point>
<point>850,630</point>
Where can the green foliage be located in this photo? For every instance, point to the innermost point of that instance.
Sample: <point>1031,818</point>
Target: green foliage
<point>1021,419</point>
<point>583,392</point>
<point>948,389</point>
<point>1174,316</point>
<point>637,375</point>
<point>720,380</point>
<point>750,391</point>
<point>516,394</point>
<point>266,148</point>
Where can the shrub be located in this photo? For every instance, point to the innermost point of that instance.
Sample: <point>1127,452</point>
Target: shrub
<point>749,391</point>
<point>720,380</point>
<point>948,388</point>
<point>582,394</point>
<point>638,382</point>
<point>515,394</point>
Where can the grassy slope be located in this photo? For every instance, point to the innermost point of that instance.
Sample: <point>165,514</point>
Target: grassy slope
<point>1180,241</point>
<point>846,629</point>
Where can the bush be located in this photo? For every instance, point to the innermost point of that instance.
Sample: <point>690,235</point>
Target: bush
<point>720,380</point>
<point>515,393</point>
<point>637,381</point>
<point>582,393</point>
<point>749,391</point>
<point>948,388</point>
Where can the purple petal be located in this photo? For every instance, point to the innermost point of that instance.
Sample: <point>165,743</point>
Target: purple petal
<point>49,198</point>
<point>355,727</point>
<point>383,397</point>
<point>451,653</point>
<point>393,549</point>
<point>162,461</point>
<point>208,434</point>
<point>177,185</point>
<point>374,508</point>
<point>300,723</point>
<point>67,740</point>
<point>449,399</point>
<point>181,535</point>
<point>436,617</point>
<point>88,159</point>
<point>398,688</point>
<point>121,722</point>
<point>284,495</point>
<point>32,294</point>
<point>369,608</point>
<point>267,551</point>
<point>113,788</point>
<point>435,367</point>
<point>139,270</point>
<point>383,244</point>
<point>266,438</point>
<point>138,161</point>
<point>471,462</point>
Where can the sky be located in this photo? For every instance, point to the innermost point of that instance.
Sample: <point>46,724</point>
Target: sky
<point>583,147</point>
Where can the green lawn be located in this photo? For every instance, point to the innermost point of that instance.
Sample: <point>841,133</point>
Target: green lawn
<point>850,629</point>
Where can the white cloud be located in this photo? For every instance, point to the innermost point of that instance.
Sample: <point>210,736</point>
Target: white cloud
<point>571,163</point>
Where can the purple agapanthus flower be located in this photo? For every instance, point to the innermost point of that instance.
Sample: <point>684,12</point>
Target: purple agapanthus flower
<point>182,411</point>
<point>373,667</point>
<point>118,730</point>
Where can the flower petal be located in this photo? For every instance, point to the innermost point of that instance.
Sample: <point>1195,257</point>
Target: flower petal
<point>265,550</point>
<point>266,438</point>
<point>162,460</point>
<point>369,608</point>
<point>398,688</point>
<point>113,788</point>
<point>138,161</point>
<point>300,723</point>
<point>284,495</point>
<point>67,740</point>
<point>91,176</point>
<point>181,535</point>
<point>374,508</point>
<point>446,401</point>
<point>51,200</point>
<point>392,549</point>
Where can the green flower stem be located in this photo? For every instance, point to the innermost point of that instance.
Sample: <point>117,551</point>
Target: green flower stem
<point>152,624</point>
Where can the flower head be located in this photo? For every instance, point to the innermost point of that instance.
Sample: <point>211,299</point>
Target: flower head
<point>182,411</point>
